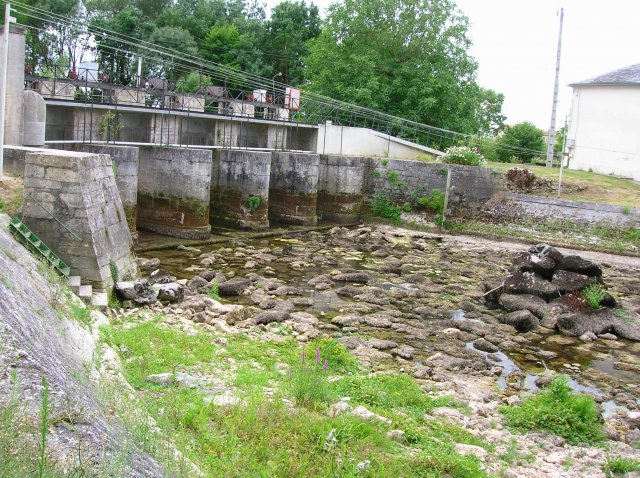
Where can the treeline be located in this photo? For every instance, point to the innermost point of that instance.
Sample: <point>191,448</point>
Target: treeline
<point>408,58</point>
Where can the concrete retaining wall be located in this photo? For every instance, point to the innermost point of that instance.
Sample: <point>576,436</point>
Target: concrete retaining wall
<point>471,186</point>
<point>15,157</point>
<point>576,211</point>
<point>79,189</point>
<point>237,176</point>
<point>14,107</point>
<point>174,191</point>
<point>341,185</point>
<point>293,188</point>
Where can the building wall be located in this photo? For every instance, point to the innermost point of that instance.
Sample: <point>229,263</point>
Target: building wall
<point>605,128</point>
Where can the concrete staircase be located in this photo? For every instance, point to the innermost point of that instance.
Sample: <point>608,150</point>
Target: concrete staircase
<point>39,249</point>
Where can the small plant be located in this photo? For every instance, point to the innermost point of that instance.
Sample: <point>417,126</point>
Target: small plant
<point>626,210</point>
<point>253,203</point>
<point>594,295</point>
<point>309,384</point>
<point>114,271</point>
<point>376,174</point>
<point>392,176</point>
<point>109,125</point>
<point>463,155</point>
<point>384,162</point>
<point>2,205</point>
<point>382,205</point>
<point>406,207</point>
<point>213,291</point>
<point>443,171</point>
<point>617,465</point>
<point>559,410</point>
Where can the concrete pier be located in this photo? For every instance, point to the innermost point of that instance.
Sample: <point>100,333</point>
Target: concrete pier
<point>174,191</point>
<point>293,188</point>
<point>79,190</point>
<point>14,107</point>
<point>240,189</point>
<point>341,184</point>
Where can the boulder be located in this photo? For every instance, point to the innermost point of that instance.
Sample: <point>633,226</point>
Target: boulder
<point>273,315</point>
<point>521,320</point>
<point>138,291</point>
<point>599,322</point>
<point>485,345</point>
<point>171,292</point>
<point>403,351</point>
<point>534,304</point>
<point>530,283</point>
<point>349,291</point>
<point>233,287</point>
<point>356,277</point>
<point>160,276</point>
<point>581,266</point>
<point>198,284</point>
<point>148,264</point>
<point>568,282</point>
<point>545,250</point>
<point>527,262</point>
<point>381,344</point>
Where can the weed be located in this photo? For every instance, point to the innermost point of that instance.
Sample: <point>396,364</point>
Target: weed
<point>382,205</point>
<point>80,313</point>
<point>392,176</point>
<point>44,415</point>
<point>377,174</point>
<point>560,411</point>
<point>308,381</point>
<point>384,162</point>
<point>253,203</point>
<point>626,210</point>
<point>594,295</point>
<point>2,205</point>
<point>618,465</point>
<point>113,268</point>
<point>406,207</point>
<point>213,291</point>
<point>443,171</point>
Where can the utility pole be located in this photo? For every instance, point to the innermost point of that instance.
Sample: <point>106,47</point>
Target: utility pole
<point>552,128</point>
<point>8,20</point>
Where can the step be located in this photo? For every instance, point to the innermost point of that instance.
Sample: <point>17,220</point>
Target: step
<point>100,299</point>
<point>74,283</point>
<point>85,292</point>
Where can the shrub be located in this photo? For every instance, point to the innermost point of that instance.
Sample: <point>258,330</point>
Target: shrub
<point>463,155</point>
<point>523,141</point>
<point>253,203</point>
<point>435,201</point>
<point>559,410</point>
<point>594,295</point>
<point>213,292</point>
<point>382,205</point>
<point>406,207</point>
<point>618,465</point>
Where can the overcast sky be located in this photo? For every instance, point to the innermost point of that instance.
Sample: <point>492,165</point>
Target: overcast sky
<point>515,41</point>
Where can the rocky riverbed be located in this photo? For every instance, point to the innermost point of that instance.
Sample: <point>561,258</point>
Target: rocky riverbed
<point>413,302</point>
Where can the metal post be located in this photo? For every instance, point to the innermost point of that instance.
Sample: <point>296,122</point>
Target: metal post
<point>8,20</point>
<point>552,127</point>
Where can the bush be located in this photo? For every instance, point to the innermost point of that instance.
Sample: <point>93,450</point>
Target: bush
<point>558,410</point>
<point>594,295</point>
<point>194,82</point>
<point>463,155</point>
<point>435,201</point>
<point>253,203</point>
<point>523,141</point>
<point>382,205</point>
<point>616,466</point>
<point>406,207</point>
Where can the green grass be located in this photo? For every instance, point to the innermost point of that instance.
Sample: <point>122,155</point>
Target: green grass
<point>213,292</point>
<point>617,465</point>
<point>266,436</point>
<point>594,295</point>
<point>558,410</point>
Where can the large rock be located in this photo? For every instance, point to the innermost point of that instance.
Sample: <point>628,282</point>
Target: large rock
<point>274,315</point>
<point>527,262</point>
<point>534,304</point>
<point>357,277</point>
<point>581,266</point>
<point>568,282</point>
<point>521,320</point>
<point>545,250</point>
<point>198,284</point>
<point>160,276</point>
<point>599,322</point>
<point>172,292</point>
<point>233,287</point>
<point>139,291</point>
<point>530,283</point>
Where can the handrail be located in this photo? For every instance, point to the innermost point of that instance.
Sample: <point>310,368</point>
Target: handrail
<point>54,218</point>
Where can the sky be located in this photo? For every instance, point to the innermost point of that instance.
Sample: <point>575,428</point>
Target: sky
<point>515,44</point>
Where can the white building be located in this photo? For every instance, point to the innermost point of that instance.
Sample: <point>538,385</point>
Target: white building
<point>604,132</point>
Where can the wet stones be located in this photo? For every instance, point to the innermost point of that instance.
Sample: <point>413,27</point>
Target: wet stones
<point>567,281</point>
<point>355,277</point>
<point>534,304</point>
<point>233,287</point>
<point>521,320</point>
<point>139,291</point>
<point>530,283</point>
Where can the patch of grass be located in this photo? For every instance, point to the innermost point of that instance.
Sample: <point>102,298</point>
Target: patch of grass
<point>617,465</point>
<point>308,381</point>
<point>382,205</point>
<point>213,292</point>
<point>80,313</point>
<point>594,295</point>
<point>558,410</point>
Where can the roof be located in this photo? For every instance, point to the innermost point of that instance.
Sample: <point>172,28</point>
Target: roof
<point>629,75</point>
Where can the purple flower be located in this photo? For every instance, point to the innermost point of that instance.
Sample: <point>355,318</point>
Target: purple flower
<point>317,356</point>
<point>304,356</point>
<point>326,365</point>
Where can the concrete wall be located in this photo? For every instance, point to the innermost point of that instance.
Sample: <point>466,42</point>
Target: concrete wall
<point>13,127</point>
<point>604,128</point>
<point>15,158</point>
<point>582,212</point>
<point>174,191</point>
<point>341,185</point>
<point>235,177</point>
<point>349,141</point>
<point>293,188</point>
<point>79,189</point>
<point>34,118</point>
<point>471,186</point>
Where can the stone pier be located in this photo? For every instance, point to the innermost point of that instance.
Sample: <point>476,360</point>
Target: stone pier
<point>174,191</point>
<point>79,190</point>
<point>293,188</point>
<point>240,188</point>
<point>14,107</point>
<point>341,187</point>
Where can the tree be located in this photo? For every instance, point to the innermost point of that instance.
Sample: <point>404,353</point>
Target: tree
<point>408,58</point>
<point>491,117</point>
<point>176,39</point>
<point>522,141</point>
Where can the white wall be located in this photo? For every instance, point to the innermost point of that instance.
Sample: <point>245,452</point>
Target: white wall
<point>605,125</point>
<point>349,141</point>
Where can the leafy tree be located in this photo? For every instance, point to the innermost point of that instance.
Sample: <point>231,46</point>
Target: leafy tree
<point>522,141</point>
<point>221,45</point>
<point>560,134</point>
<point>407,58</point>
<point>491,117</point>
<point>291,26</point>
<point>177,39</point>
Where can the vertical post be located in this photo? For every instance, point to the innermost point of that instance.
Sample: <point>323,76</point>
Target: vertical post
<point>564,147</point>
<point>8,20</point>
<point>139,71</point>
<point>446,195</point>
<point>552,127</point>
